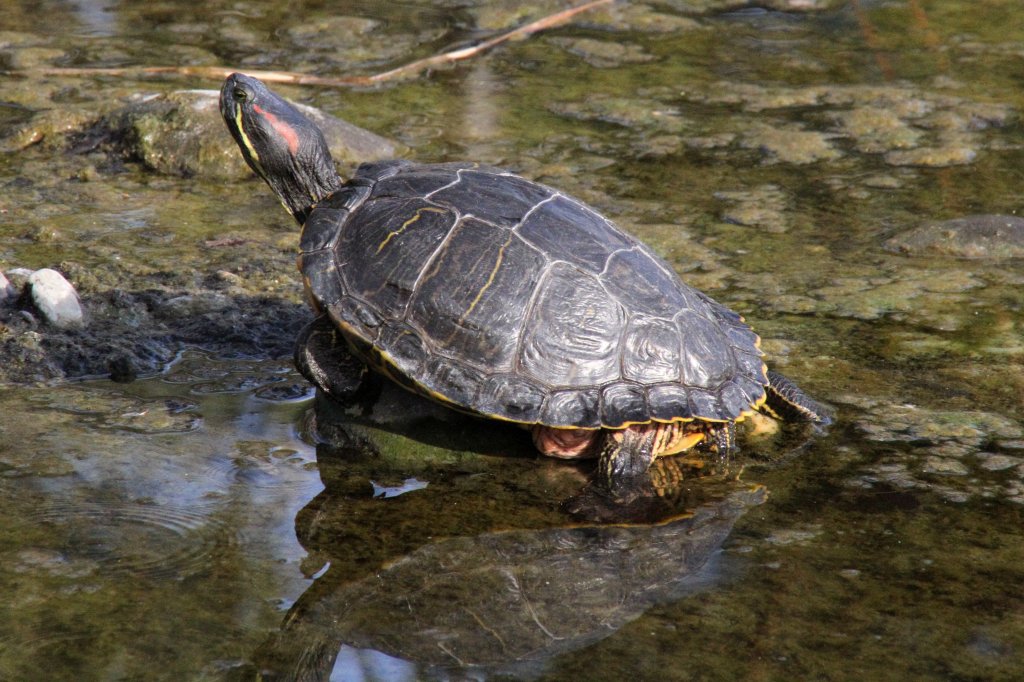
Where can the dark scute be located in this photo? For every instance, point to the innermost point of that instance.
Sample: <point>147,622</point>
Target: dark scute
<point>510,397</point>
<point>500,199</point>
<point>572,408</point>
<point>567,230</point>
<point>416,181</point>
<point>572,335</point>
<point>704,405</point>
<point>644,284</point>
<point>322,228</point>
<point>650,351</point>
<point>733,400</point>
<point>668,402</point>
<point>455,381</point>
<point>472,303</point>
<point>385,246</point>
<point>707,358</point>
<point>753,388</point>
<point>324,281</point>
<point>357,317</point>
<point>622,404</point>
<point>378,170</point>
<point>405,348</point>
<point>749,365</point>
<point>742,337</point>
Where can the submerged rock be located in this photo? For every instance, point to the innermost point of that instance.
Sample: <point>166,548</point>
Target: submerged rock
<point>978,236</point>
<point>56,299</point>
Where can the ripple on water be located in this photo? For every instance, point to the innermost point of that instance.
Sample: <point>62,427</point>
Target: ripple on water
<point>106,409</point>
<point>162,542</point>
<point>260,464</point>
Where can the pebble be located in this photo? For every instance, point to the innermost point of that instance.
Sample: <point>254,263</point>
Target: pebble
<point>56,299</point>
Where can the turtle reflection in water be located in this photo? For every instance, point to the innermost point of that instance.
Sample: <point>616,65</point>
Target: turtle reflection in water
<point>504,298</point>
<point>501,601</point>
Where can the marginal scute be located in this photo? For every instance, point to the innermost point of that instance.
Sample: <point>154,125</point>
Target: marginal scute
<point>733,399</point>
<point>750,365</point>
<point>579,408</point>
<point>753,389</point>
<point>324,281</point>
<point>321,228</point>
<point>406,349</point>
<point>454,380</point>
<point>510,396</point>
<point>741,336</point>
<point>356,317</point>
<point>704,404</point>
<point>623,404</point>
<point>669,402</point>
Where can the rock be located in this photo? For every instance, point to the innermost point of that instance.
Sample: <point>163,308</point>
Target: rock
<point>7,290</point>
<point>182,133</point>
<point>978,236</point>
<point>56,299</point>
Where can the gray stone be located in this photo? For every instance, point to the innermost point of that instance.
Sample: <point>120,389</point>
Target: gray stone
<point>978,236</point>
<point>7,290</point>
<point>56,299</point>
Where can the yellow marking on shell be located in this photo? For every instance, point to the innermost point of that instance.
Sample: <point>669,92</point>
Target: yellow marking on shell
<point>407,223</point>
<point>488,283</point>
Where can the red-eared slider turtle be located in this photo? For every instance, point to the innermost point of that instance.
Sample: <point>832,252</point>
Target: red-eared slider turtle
<point>508,299</point>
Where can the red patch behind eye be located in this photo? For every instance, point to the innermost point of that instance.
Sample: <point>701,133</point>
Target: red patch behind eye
<point>281,128</point>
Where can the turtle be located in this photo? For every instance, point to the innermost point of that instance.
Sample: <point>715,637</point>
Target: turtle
<point>504,298</point>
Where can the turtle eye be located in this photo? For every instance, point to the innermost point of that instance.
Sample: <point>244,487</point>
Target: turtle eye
<point>240,94</point>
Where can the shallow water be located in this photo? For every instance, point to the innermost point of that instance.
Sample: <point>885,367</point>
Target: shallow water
<point>187,526</point>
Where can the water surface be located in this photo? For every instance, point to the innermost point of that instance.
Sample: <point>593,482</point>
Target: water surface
<point>186,525</point>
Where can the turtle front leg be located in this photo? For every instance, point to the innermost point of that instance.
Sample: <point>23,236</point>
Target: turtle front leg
<point>322,356</point>
<point>625,454</point>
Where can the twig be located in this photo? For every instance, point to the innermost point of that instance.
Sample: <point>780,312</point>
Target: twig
<point>291,77</point>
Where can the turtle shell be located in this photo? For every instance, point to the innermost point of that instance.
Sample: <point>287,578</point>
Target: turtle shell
<point>506,298</point>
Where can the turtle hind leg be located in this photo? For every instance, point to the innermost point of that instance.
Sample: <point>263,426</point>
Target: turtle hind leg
<point>787,402</point>
<point>323,357</point>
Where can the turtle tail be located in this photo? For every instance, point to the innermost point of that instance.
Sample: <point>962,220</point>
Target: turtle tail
<point>787,402</point>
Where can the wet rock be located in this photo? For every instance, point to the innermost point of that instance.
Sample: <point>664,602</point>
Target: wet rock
<point>935,157</point>
<point>876,129</point>
<point>786,144</point>
<point>7,290</point>
<point>945,466</point>
<point>56,299</point>
<point>604,53</point>
<point>909,423</point>
<point>182,133</point>
<point>978,236</point>
<point>996,462</point>
<point>763,207</point>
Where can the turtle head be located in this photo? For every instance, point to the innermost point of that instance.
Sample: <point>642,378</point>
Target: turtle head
<point>281,145</point>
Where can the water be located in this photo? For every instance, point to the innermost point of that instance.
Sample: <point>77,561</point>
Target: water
<point>187,526</point>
